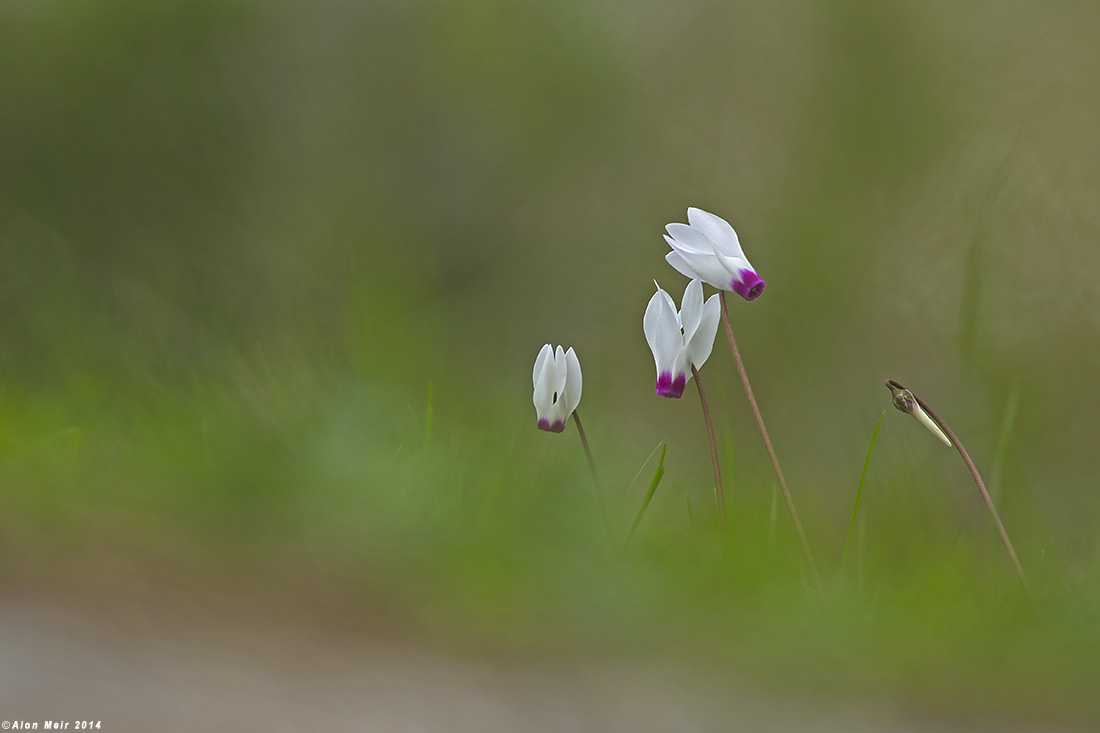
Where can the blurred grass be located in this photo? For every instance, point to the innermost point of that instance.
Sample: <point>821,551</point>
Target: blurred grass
<point>255,254</point>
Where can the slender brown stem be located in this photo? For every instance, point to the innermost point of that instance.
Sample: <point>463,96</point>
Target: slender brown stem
<point>713,452</point>
<point>595,478</point>
<point>768,442</point>
<point>587,450</point>
<point>897,388</point>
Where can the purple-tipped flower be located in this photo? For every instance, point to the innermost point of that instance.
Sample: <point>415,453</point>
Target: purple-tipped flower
<point>557,381</point>
<point>707,248</point>
<point>680,340</point>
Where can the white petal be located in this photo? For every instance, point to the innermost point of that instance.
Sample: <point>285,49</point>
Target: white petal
<point>556,380</point>
<point>668,298</point>
<point>689,238</point>
<point>669,302</point>
<point>544,391</point>
<point>704,267</point>
<point>691,309</point>
<point>702,341</point>
<point>717,230</point>
<point>680,265</point>
<point>545,353</point>
<point>559,375</point>
<point>734,265</point>
<point>572,382</point>
<point>662,331</point>
<point>682,364</point>
<point>649,320</point>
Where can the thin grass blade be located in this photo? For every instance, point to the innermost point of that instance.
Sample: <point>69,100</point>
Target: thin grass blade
<point>859,489</point>
<point>657,475</point>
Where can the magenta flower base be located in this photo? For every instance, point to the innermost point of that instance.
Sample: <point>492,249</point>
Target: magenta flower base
<point>749,286</point>
<point>556,427</point>
<point>669,387</point>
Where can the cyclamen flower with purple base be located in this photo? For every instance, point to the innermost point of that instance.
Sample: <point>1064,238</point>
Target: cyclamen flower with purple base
<point>680,339</point>
<point>707,248</point>
<point>557,382</point>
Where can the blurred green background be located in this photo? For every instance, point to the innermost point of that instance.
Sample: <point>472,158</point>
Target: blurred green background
<point>273,277</point>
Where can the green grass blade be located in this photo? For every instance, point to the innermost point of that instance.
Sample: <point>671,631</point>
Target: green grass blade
<point>859,490</point>
<point>657,475</point>
<point>644,464</point>
<point>1003,440</point>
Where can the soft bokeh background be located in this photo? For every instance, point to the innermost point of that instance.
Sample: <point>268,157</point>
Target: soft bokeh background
<point>273,277</point>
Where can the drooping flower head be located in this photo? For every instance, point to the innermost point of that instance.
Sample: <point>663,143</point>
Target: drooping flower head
<point>707,248</point>
<point>907,403</point>
<point>680,339</point>
<point>557,382</point>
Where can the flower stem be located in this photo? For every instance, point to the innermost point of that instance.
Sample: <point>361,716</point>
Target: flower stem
<point>898,389</point>
<point>592,468</point>
<point>768,442</point>
<point>587,450</point>
<point>713,452</point>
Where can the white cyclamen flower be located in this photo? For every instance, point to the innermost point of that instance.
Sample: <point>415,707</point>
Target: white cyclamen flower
<point>680,340</point>
<point>557,382</point>
<point>707,248</point>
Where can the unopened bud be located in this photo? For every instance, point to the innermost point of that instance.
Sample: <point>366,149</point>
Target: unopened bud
<point>907,403</point>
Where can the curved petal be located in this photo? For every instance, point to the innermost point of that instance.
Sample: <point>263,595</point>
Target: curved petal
<point>669,302</point>
<point>559,374</point>
<point>691,309</point>
<point>734,265</point>
<point>707,268</point>
<point>556,415</point>
<point>545,353</point>
<point>702,341</point>
<point>717,230</point>
<point>573,380</point>
<point>650,319</point>
<point>689,238</point>
<point>544,391</point>
<point>662,331</point>
<point>680,264</point>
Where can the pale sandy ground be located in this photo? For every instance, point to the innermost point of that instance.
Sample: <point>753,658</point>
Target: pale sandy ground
<point>136,674</point>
